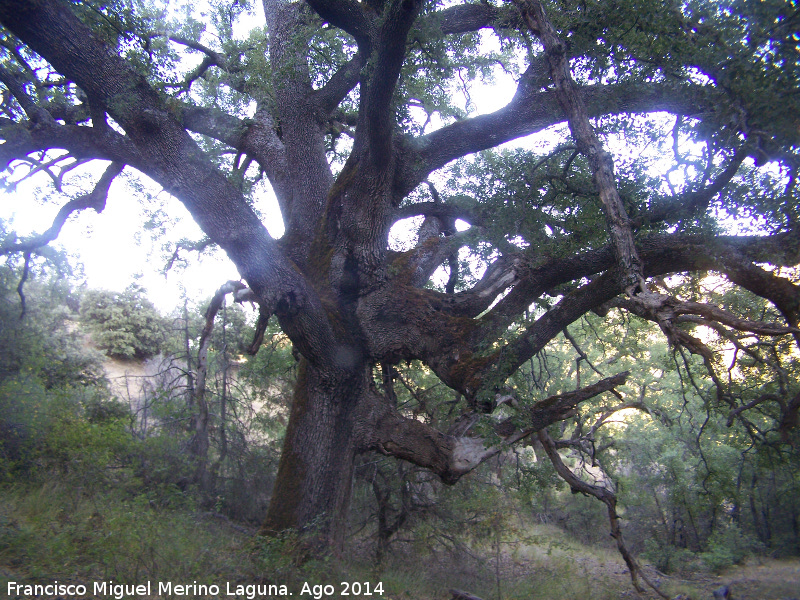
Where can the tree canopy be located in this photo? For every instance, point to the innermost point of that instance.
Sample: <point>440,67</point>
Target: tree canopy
<point>666,152</point>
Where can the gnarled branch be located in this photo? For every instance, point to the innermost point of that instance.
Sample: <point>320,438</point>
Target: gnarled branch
<point>600,161</point>
<point>451,457</point>
<point>607,497</point>
<point>95,199</point>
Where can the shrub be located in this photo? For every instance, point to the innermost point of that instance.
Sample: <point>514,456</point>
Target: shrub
<point>728,546</point>
<point>125,325</point>
<point>666,557</point>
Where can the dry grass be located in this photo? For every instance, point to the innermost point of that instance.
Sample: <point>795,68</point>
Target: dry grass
<point>52,532</point>
<point>764,579</point>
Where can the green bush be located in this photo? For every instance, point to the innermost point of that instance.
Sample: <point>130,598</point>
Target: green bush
<point>57,531</point>
<point>77,432</point>
<point>125,325</point>
<point>666,557</point>
<point>728,546</point>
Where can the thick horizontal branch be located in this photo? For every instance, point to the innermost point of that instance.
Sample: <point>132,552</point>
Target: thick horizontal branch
<point>661,254</point>
<point>170,156</point>
<point>214,123</point>
<point>438,209</point>
<point>562,406</point>
<point>518,351</point>
<point>673,309</point>
<point>22,139</point>
<point>534,111</point>
<point>452,457</point>
<point>444,330</point>
<point>465,18</point>
<point>533,277</point>
<point>502,274</point>
<point>739,267</point>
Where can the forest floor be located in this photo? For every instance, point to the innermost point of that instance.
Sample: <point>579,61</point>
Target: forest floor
<point>758,579</point>
<point>54,533</point>
<point>550,566</point>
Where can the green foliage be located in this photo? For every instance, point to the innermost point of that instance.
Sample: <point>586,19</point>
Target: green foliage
<point>77,432</point>
<point>526,201</point>
<point>55,410</point>
<point>668,558</point>
<point>125,325</point>
<point>436,70</point>
<point>82,495</point>
<point>695,491</point>
<point>57,418</point>
<point>694,486</point>
<point>57,530</point>
<point>728,546</point>
<point>43,344</point>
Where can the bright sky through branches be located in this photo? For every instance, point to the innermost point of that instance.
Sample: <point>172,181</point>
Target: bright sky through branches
<point>115,250</point>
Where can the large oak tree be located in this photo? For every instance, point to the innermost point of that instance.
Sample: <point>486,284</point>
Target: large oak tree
<point>355,113</point>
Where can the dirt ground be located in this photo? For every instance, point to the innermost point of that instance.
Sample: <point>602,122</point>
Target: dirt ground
<point>758,580</point>
<point>761,579</point>
<point>601,574</point>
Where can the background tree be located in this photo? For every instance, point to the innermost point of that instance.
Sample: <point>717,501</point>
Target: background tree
<point>51,385</point>
<point>38,339</point>
<point>206,425</point>
<point>125,325</point>
<point>350,112</point>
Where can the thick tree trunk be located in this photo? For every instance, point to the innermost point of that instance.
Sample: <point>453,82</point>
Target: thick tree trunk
<point>312,489</point>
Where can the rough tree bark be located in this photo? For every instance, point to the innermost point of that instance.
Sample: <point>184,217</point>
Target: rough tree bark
<point>345,300</point>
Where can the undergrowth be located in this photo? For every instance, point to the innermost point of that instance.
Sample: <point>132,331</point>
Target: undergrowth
<point>58,531</point>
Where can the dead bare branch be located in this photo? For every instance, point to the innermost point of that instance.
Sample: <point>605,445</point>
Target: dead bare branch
<point>608,498</point>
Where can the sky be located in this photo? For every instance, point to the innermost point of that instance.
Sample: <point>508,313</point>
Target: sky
<point>115,249</point>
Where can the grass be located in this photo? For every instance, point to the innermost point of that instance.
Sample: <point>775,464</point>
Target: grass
<point>56,531</point>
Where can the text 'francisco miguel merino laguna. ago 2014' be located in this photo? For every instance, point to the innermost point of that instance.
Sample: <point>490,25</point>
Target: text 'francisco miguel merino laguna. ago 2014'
<point>118,591</point>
